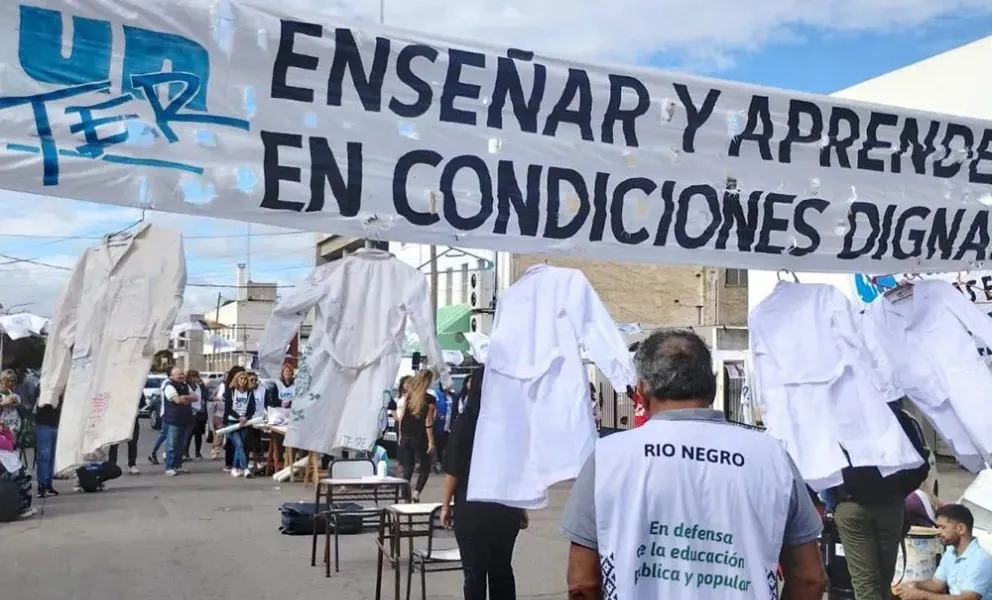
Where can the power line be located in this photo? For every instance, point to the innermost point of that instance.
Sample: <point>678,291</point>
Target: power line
<point>15,260</point>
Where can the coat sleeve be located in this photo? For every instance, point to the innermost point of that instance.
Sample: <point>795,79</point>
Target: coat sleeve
<point>172,282</point>
<point>596,330</point>
<point>418,308</point>
<point>61,338</point>
<point>973,319</point>
<point>284,323</point>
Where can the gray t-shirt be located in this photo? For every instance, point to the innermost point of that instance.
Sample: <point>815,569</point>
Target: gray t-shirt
<point>578,521</point>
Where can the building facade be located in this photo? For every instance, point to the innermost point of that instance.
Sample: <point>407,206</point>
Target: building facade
<point>652,295</point>
<point>235,327</point>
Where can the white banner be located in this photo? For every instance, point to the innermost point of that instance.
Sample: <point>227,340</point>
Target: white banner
<point>303,120</point>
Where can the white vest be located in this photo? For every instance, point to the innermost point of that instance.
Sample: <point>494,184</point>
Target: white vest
<point>690,509</point>
<point>286,392</point>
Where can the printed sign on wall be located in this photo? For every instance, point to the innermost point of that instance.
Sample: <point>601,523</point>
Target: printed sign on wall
<point>295,119</point>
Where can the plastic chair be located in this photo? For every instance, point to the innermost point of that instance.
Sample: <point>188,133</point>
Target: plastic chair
<point>440,554</point>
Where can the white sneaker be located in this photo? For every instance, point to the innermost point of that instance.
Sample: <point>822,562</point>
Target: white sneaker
<point>171,473</point>
<point>182,471</point>
<point>235,473</point>
<point>227,469</point>
<point>133,470</point>
<point>247,474</point>
<point>29,512</point>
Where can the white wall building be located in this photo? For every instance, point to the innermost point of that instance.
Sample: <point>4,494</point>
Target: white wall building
<point>239,325</point>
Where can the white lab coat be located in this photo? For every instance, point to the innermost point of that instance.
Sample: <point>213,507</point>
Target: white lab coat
<point>362,303</point>
<point>653,512</point>
<point>925,339</point>
<point>819,388</point>
<point>535,425</point>
<point>116,312</point>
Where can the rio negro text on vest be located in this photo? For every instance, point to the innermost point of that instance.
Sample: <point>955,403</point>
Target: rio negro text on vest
<point>697,453</point>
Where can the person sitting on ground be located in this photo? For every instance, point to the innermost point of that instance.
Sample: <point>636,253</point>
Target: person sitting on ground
<point>965,569</point>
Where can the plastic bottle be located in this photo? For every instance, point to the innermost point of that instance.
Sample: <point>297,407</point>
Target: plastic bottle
<point>381,468</point>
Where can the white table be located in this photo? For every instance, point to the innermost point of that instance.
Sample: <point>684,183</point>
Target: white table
<point>396,523</point>
<point>362,489</point>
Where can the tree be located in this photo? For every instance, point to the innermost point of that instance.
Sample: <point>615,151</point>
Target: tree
<point>26,352</point>
<point>163,361</point>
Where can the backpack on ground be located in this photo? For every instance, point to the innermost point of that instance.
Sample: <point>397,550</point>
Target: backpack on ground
<point>298,518</point>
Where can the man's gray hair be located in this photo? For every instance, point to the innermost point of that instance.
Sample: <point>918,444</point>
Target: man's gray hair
<point>9,374</point>
<point>676,364</point>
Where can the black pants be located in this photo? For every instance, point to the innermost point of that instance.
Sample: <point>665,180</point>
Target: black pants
<point>228,453</point>
<point>486,534</point>
<point>132,448</point>
<point>411,452</point>
<point>195,440</point>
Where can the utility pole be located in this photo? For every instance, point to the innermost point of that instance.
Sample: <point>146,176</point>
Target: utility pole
<point>216,327</point>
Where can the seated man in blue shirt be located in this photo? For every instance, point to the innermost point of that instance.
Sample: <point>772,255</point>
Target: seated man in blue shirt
<point>965,571</point>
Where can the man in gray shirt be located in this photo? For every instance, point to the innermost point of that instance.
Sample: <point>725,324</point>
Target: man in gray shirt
<point>677,382</point>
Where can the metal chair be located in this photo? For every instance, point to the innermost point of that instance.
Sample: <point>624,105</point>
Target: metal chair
<point>346,468</point>
<point>440,554</point>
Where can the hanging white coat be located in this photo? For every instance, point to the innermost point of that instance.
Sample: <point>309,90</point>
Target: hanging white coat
<point>535,425</point>
<point>116,312</point>
<point>934,359</point>
<point>362,304</point>
<point>819,389</point>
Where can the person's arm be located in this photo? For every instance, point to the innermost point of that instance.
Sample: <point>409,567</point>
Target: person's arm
<point>229,415</point>
<point>578,523</point>
<point>802,567</point>
<point>429,425</point>
<point>170,394</point>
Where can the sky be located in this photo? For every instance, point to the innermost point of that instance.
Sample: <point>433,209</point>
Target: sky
<point>817,46</point>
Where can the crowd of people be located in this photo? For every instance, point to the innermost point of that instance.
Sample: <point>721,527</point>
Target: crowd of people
<point>761,492</point>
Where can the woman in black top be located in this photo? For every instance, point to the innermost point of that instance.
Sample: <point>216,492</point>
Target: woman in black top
<point>416,431</point>
<point>486,531</point>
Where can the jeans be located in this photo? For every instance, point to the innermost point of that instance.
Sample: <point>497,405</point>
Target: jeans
<point>174,440</point>
<point>486,534</point>
<point>163,433</point>
<point>237,440</point>
<point>45,454</point>
<point>871,536</point>
<point>132,448</point>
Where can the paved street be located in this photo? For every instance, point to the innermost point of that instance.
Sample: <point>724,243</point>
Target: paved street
<point>207,536</point>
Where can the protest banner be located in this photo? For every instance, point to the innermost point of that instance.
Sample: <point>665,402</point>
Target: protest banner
<point>308,121</point>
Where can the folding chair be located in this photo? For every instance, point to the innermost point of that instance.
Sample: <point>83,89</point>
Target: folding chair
<point>440,554</point>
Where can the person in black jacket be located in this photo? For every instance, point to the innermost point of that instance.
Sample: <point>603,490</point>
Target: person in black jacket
<point>486,531</point>
<point>46,432</point>
<point>239,406</point>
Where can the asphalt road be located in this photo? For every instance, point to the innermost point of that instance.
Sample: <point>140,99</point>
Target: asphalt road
<point>207,536</point>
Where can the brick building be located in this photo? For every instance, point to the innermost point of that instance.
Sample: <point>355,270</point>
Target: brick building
<point>659,295</point>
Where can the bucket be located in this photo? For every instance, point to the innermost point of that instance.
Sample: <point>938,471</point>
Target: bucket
<point>923,552</point>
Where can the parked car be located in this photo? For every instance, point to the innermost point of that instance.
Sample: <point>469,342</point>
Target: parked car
<point>151,400</point>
